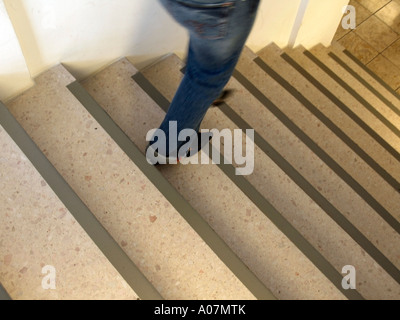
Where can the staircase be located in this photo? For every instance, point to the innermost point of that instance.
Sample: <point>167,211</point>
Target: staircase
<point>78,194</point>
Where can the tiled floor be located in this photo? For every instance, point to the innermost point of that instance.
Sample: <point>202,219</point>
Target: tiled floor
<point>376,39</point>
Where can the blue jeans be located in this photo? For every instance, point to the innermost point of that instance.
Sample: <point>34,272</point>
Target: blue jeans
<point>218,32</point>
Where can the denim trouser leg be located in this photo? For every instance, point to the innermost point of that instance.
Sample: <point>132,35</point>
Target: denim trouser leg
<point>218,32</point>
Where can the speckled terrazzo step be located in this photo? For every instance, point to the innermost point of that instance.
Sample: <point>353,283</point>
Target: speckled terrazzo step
<point>151,232</point>
<point>267,252</point>
<point>387,196</point>
<point>37,230</point>
<point>388,112</point>
<point>326,236</point>
<point>331,186</point>
<point>356,138</point>
<point>349,100</point>
<point>340,52</point>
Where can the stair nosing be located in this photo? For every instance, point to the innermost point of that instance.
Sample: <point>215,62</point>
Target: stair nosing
<point>356,235</point>
<point>330,125</point>
<point>275,217</point>
<point>318,198</point>
<point>364,82</point>
<point>392,181</point>
<point>342,106</point>
<point>371,73</point>
<point>199,225</point>
<point>102,239</point>
<point>369,199</point>
<point>353,93</point>
<point>385,214</point>
<point>307,187</point>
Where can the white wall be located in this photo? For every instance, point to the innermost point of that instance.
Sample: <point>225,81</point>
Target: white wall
<point>320,22</point>
<point>274,23</point>
<point>14,75</point>
<point>86,35</point>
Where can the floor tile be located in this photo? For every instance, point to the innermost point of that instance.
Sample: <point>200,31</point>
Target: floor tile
<point>340,33</point>
<point>385,69</point>
<point>358,47</point>
<point>393,53</point>
<point>373,5</point>
<point>390,14</point>
<point>362,13</point>
<point>376,33</point>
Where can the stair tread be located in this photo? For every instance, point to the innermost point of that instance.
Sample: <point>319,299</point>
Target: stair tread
<point>167,83</point>
<point>155,235</point>
<point>384,193</point>
<point>350,101</point>
<point>322,52</point>
<point>338,50</point>
<point>323,179</point>
<point>375,150</point>
<point>332,112</point>
<point>244,239</point>
<point>37,230</point>
<point>134,212</point>
<point>306,162</point>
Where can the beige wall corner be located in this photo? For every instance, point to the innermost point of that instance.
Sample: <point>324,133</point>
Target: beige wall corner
<point>274,23</point>
<point>85,35</point>
<point>14,74</point>
<point>320,22</point>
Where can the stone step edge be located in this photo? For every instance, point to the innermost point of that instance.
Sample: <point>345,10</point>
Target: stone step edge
<point>302,182</point>
<point>332,55</point>
<point>354,117</point>
<point>190,215</point>
<point>102,239</point>
<point>352,92</point>
<point>385,214</point>
<point>383,83</point>
<point>271,213</point>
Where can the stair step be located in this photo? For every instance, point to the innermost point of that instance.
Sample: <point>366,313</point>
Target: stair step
<point>38,230</point>
<point>185,210</point>
<point>328,112</point>
<point>372,120</point>
<point>393,221</point>
<point>324,180</point>
<point>233,217</point>
<point>390,121</point>
<point>366,181</point>
<point>151,232</point>
<point>162,79</point>
<point>324,192</point>
<point>313,78</point>
<point>384,109</point>
<point>348,61</point>
<point>344,198</point>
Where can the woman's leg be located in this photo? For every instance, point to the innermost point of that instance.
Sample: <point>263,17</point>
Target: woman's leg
<point>218,32</point>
